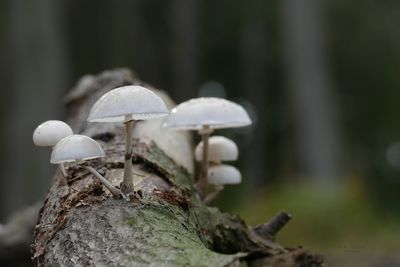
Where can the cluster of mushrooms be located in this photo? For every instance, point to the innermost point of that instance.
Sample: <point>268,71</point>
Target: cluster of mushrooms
<point>129,104</point>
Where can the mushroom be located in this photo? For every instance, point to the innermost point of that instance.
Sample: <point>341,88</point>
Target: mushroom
<point>220,149</point>
<point>205,114</point>
<point>79,148</point>
<point>219,176</point>
<point>128,104</point>
<point>48,133</point>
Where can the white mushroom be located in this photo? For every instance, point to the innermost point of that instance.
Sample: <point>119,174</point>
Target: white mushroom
<point>48,134</point>
<point>220,149</point>
<point>128,104</point>
<point>79,148</point>
<point>219,176</point>
<point>206,114</point>
<point>224,174</point>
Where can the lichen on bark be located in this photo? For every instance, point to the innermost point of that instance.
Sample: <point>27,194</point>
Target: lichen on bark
<point>164,224</point>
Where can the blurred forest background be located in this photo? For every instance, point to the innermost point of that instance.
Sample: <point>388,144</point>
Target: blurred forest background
<point>321,80</point>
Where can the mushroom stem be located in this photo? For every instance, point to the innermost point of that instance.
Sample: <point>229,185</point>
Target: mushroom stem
<point>114,191</point>
<point>211,196</point>
<point>63,170</point>
<point>63,179</point>
<point>127,183</point>
<point>202,182</point>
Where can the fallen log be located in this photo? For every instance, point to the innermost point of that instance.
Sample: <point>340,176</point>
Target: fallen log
<point>165,223</point>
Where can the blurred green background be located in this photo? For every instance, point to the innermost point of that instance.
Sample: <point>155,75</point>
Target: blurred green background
<point>321,80</point>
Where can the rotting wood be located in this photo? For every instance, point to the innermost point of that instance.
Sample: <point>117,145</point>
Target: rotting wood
<point>165,224</point>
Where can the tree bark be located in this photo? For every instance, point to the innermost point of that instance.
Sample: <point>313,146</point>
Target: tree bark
<point>165,224</point>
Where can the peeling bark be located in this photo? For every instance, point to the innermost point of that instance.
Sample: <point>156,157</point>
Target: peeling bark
<point>165,224</point>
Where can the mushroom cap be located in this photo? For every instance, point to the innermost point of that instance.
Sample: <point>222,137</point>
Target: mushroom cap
<point>132,100</point>
<point>215,112</point>
<point>223,174</point>
<point>220,148</point>
<point>50,132</point>
<point>76,147</point>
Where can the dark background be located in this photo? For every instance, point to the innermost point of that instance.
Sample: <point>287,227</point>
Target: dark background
<point>320,79</point>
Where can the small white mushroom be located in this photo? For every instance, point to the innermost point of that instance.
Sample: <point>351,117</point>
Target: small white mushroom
<point>48,133</point>
<point>79,148</point>
<point>206,114</point>
<point>220,149</point>
<point>224,174</point>
<point>128,104</point>
<point>219,176</point>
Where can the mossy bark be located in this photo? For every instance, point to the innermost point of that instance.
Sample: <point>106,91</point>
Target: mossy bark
<point>164,224</point>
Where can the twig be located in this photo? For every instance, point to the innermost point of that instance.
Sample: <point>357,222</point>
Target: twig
<point>271,228</point>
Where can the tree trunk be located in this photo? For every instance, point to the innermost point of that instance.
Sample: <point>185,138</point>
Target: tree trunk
<point>185,29</point>
<point>254,76</point>
<point>165,224</point>
<point>312,98</point>
<point>37,62</point>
